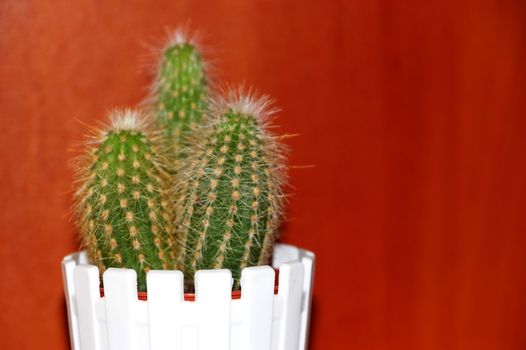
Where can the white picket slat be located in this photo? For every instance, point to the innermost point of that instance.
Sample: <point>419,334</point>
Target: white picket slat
<point>257,287</point>
<point>68,266</point>
<point>291,292</point>
<point>87,294</point>
<point>165,300</point>
<point>308,261</point>
<point>120,294</point>
<point>213,290</point>
<point>284,253</point>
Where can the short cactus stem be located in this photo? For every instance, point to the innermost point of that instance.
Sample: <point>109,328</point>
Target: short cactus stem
<point>122,217</point>
<point>180,90</point>
<point>229,194</point>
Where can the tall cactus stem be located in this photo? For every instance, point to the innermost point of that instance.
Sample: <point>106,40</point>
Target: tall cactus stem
<point>180,90</point>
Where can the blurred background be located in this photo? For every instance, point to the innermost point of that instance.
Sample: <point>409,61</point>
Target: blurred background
<point>412,115</point>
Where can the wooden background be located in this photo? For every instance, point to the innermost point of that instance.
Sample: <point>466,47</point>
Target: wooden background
<point>413,114</point>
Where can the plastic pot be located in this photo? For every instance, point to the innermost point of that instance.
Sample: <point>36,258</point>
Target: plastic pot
<point>258,319</point>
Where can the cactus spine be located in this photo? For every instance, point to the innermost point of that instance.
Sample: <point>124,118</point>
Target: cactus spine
<point>122,220</point>
<point>229,193</point>
<point>180,90</point>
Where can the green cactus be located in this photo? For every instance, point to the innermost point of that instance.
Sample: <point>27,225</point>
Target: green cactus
<point>122,218</point>
<point>180,90</point>
<point>229,192</point>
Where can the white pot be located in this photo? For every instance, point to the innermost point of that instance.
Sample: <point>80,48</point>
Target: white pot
<point>260,319</point>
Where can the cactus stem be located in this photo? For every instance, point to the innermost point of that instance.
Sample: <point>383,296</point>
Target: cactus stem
<point>230,189</point>
<point>117,175</point>
<point>188,210</point>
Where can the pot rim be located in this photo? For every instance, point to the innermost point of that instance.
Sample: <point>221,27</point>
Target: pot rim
<point>236,294</point>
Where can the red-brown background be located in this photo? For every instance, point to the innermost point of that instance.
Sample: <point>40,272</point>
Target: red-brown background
<point>412,112</point>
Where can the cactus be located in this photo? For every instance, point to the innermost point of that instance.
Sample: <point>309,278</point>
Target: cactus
<point>122,219</point>
<point>229,192</point>
<point>180,90</point>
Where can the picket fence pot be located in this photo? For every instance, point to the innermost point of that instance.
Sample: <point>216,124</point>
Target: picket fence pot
<point>259,319</point>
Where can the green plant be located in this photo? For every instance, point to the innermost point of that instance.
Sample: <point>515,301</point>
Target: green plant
<point>122,218</point>
<point>198,187</point>
<point>229,191</point>
<point>180,90</point>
